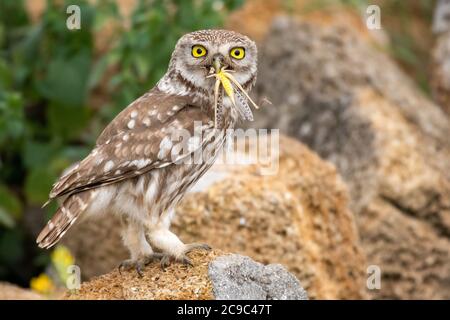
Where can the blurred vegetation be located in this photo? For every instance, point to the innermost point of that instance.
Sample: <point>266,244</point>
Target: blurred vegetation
<point>408,25</point>
<point>49,115</point>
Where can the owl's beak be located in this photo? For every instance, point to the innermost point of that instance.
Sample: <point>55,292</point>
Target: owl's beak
<point>217,62</point>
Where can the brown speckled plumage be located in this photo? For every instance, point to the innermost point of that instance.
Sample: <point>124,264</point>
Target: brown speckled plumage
<point>137,168</point>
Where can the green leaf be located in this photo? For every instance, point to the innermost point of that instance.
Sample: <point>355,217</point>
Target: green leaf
<point>11,246</point>
<point>12,122</point>
<point>38,184</point>
<point>12,13</point>
<point>98,71</point>
<point>5,75</point>
<point>67,122</point>
<point>67,80</point>
<point>74,153</point>
<point>6,220</point>
<point>37,154</point>
<point>10,208</point>
<point>9,203</point>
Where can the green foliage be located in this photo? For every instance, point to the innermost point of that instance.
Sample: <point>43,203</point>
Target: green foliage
<point>325,4</point>
<point>48,75</point>
<point>10,207</point>
<point>408,24</point>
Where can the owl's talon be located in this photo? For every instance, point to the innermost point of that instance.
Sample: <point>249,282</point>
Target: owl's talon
<point>139,270</point>
<point>194,246</point>
<point>183,258</point>
<point>139,264</point>
<point>130,264</point>
<point>186,261</point>
<point>153,257</point>
<point>165,262</point>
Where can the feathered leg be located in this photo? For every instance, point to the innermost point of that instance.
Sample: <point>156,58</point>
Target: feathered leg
<point>172,247</point>
<point>141,252</point>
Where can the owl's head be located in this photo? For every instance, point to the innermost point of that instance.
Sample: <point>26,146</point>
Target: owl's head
<point>198,53</point>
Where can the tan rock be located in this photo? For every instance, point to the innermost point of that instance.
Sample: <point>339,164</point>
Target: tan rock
<point>214,275</point>
<point>413,258</point>
<point>97,246</point>
<point>298,217</point>
<point>12,292</point>
<point>255,17</point>
<point>177,282</point>
<point>348,101</point>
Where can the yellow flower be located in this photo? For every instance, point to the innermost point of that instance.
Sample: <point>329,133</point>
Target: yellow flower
<point>42,284</point>
<point>62,255</point>
<point>62,259</point>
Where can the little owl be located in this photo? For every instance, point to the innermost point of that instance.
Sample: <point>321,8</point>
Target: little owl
<point>143,163</point>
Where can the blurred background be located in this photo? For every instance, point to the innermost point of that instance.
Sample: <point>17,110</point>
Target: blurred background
<point>59,88</point>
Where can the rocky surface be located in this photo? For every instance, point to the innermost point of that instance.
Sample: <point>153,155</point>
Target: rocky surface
<point>97,246</point>
<point>176,282</point>
<point>297,217</point>
<point>255,17</point>
<point>238,277</point>
<point>334,88</point>
<point>12,292</point>
<point>215,275</point>
<point>348,101</point>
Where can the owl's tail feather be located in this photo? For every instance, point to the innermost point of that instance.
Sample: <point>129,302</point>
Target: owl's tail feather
<point>64,218</point>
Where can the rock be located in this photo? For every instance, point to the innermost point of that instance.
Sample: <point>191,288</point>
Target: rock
<point>213,276</point>
<point>350,103</point>
<point>238,277</point>
<point>177,282</point>
<point>440,68</point>
<point>12,292</point>
<point>97,246</point>
<point>297,216</point>
<point>441,20</point>
<point>255,17</point>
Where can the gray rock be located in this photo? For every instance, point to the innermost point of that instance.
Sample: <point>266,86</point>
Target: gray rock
<point>441,19</point>
<point>440,64</point>
<point>235,277</point>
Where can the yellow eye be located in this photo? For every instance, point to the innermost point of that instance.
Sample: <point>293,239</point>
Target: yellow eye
<point>198,51</point>
<point>237,53</point>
